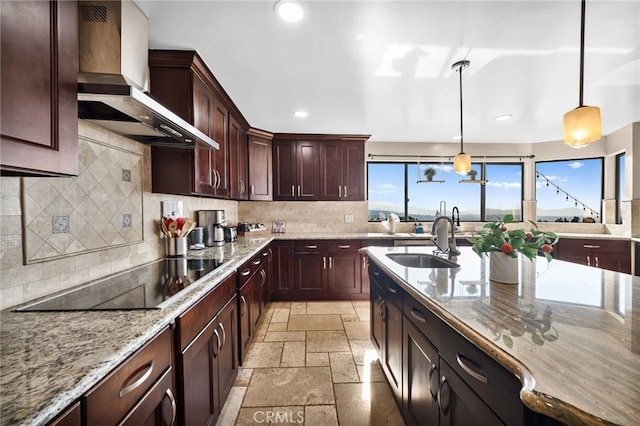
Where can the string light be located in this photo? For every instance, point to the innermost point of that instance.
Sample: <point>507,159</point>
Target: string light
<point>567,195</point>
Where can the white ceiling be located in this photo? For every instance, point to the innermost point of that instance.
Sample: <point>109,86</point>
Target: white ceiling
<point>384,67</point>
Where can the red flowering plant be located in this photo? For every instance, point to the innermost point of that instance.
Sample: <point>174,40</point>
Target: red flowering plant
<point>495,236</point>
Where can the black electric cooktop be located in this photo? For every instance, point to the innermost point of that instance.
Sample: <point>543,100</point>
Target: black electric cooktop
<point>150,286</point>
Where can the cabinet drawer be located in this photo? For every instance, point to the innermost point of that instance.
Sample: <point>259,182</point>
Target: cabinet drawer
<point>250,267</point>
<point>118,393</point>
<point>424,320</point>
<point>343,245</point>
<point>389,288</point>
<point>309,246</point>
<point>588,245</point>
<point>497,386</point>
<point>191,322</point>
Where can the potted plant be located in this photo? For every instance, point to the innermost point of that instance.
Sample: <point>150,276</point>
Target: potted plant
<point>504,244</point>
<point>472,174</point>
<point>429,173</point>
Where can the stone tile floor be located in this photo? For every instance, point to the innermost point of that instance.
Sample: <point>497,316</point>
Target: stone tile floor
<point>312,363</point>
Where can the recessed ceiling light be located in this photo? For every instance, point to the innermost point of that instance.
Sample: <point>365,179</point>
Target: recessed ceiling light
<point>504,117</point>
<point>457,138</point>
<point>301,114</point>
<point>290,10</point>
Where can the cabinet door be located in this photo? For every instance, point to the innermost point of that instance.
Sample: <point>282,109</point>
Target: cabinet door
<point>353,171</point>
<point>39,75</point>
<point>420,376</point>
<point>459,405</point>
<point>198,399</point>
<point>227,356</point>
<point>238,161</point>
<point>203,104</point>
<point>257,285</point>
<point>70,417</point>
<point>376,318</point>
<point>245,331</point>
<point>260,166</point>
<point>344,273</point>
<point>637,273</point>
<point>392,347</point>
<point>310,271</point>
<point>157,407</point>
<point>331,185</point>
<point>308,170</point>
<point>221,156</point>
<point>282,280</point>
<point>284,171</point>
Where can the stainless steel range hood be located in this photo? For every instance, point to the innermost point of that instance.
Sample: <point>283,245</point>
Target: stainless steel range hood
<point>114,78</point>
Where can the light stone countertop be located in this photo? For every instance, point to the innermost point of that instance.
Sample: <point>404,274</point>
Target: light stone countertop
<point>590,372</point>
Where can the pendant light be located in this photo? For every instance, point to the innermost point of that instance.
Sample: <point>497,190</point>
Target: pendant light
<point>462,161</point>
<point>582,125</point>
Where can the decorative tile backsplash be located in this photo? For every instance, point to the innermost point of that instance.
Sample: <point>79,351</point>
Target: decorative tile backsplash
<point>100,208</point>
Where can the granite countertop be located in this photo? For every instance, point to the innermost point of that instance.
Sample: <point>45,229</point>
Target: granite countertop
<point>584,370</point>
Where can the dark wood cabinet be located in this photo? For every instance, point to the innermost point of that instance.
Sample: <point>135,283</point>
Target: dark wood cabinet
<point>220,157</point>
<point>207,356</point>
<point>296,166</point>
<point>637,259</point>
<point>282,269</point>
<point>614,255</point>
<point>260,165</point>
<point>139,391</point>
<point>72,416</point>
<point>342,171</point>
<point>245,324</point>
<point>238,161</point>
<point>39,74</point>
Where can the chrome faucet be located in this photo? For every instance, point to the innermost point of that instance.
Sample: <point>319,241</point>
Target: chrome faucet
<point>453,216</point>
<point>452,249</point>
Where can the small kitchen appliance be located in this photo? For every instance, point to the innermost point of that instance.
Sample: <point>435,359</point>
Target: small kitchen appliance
<point>230,233</point>
<point>212,223</point>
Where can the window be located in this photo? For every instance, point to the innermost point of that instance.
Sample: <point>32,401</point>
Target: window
<point>569,190</point>
<point>401,188</point>
<point>620,189</point>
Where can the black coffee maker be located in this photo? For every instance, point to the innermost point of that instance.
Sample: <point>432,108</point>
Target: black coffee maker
<point>212,223</point>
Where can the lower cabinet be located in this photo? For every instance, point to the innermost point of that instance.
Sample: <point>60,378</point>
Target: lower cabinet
<point>139,391</point>
<point>614,255</point>
<point>207,359</point>
<point>253,277</point>
<point>72,416</point>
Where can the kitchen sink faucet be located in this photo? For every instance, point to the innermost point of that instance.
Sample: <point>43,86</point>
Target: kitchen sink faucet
<point>440,232</point>
<point>453,215</point>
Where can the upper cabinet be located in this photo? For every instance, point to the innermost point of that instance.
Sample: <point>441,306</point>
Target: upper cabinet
<point>39,72</point>
<point>183,83</point>
<point>318,167</point>
<point>260,165</point>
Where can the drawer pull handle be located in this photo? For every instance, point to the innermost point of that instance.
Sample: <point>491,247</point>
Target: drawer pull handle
<point>433,381</point>
<point>462,362</point>
<point>590,246</point>
<point>444,397</point>
<point>311,247</point>
<point>257,261</point>
<point>244,303</point>
<point>391,290</point>
<point>346,246</point>
<point>174,410</point>
<point>215,354</point>
<point>135,384</point>
<point>245,272</point>
<point>418,315</point>
<point>224,336</point>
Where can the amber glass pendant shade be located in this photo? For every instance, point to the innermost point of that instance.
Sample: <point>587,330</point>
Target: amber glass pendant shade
<point>582,126</point>
<point>462,163</point>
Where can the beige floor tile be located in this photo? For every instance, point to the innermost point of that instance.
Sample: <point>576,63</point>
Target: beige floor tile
<point>263,355</point>
<point>298,308</point>
<point>293,354</point>
<point>270,416</point>
<point>280,305</point>
<point>320,415</point>
<point>289,386</point>
<point>363,314</point>
<point>364,404</point>
<point>280,315</point>
<point>277,326</point>
<point>357,330</point>
<point>284,336</point>
<point>343,369</point>
<point>314,308</point>
<point>314,322</point>
<point>317,359</point>
<point>371,373</point>
<point>363,351</point>
<point>231,406</point>
<point>327,341</point>
<point>361,303</point>
<point>251,416</point>
<point>349,318</point>
<point>244,376</point>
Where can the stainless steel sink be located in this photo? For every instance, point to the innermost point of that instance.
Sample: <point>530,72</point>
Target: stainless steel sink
<point>421,260</point>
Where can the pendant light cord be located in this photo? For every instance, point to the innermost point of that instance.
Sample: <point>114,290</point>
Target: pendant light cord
<point>582,22</point>
<point>461,127</point>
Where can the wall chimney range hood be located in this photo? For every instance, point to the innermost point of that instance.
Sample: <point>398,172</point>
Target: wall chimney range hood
<point>113,78</point>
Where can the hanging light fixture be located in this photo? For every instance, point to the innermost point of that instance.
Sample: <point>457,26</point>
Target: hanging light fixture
<point>462,161</point>
<point>582,125</point>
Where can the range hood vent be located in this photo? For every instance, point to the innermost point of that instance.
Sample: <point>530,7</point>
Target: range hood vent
<point>113,81</point>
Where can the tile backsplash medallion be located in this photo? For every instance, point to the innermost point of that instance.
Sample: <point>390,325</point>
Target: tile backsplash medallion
<point>78,229</point>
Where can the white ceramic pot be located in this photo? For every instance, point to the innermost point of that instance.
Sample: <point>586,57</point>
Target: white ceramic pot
<point>503,268</point>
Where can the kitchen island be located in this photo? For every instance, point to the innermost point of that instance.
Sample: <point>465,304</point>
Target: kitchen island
<point>569,333</point>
